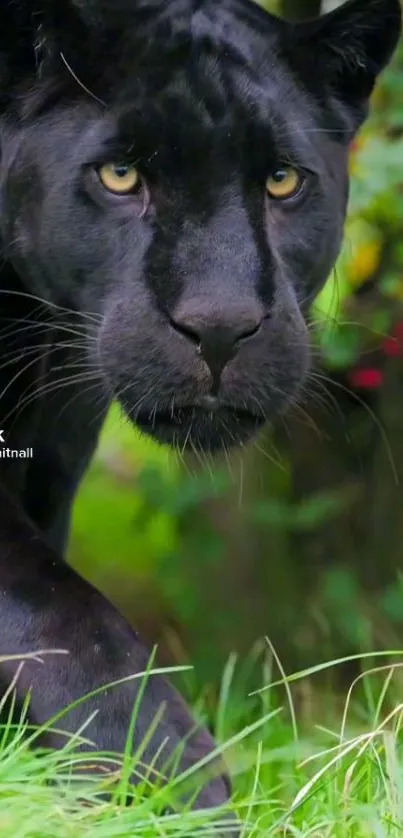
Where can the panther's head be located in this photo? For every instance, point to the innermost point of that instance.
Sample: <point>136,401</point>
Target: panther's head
<point>179,168</point>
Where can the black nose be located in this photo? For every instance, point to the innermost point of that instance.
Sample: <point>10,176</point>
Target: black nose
<point>218,332</point>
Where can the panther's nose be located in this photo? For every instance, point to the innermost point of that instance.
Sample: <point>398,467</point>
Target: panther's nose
<point>218,333</point>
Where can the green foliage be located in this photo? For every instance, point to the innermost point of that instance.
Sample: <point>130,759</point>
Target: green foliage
<point>307,515</point>
<point>372,249</point>
<point>330,773</point>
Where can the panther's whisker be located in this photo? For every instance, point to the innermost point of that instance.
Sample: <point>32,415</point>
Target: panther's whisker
<point>51,325</point>
<point>83,392</point>
<point>44,349</point>
<point>50,388</point>
<point>377,422</point>
<point>17,376</point>
<point>80,83</point>
<point>93,316</point>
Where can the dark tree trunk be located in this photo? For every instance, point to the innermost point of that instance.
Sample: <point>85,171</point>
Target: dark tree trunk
<point>300,9</point>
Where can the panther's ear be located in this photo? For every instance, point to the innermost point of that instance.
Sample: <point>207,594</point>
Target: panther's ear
<point>31,30</point>
<point>345,50</point>
<point>46,38</point>
<point>17,47</point>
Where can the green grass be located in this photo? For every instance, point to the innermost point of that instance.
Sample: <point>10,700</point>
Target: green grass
<point>338,774</point>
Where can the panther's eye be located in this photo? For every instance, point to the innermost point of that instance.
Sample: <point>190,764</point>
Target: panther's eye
<point>284,183</point>
<point>120,178</point>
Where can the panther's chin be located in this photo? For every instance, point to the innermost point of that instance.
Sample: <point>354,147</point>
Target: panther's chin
<point>196,427</point>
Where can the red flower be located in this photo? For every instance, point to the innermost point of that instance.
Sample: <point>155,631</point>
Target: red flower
<point>392,346</point>
<point>366,379</point>
<point>398,330</point>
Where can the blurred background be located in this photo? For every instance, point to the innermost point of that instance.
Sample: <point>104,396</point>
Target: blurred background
<point>301,539</point>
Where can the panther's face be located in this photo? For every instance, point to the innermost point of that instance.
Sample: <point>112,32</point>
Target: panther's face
<point>192,197</point>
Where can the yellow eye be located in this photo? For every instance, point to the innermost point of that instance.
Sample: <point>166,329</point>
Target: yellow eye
<point>119,178</point>
<point>284,182</point>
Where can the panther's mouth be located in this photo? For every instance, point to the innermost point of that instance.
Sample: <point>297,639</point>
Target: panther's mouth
<point>207,424</point>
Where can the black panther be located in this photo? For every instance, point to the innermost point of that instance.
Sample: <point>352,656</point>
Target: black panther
<point>173,189</point>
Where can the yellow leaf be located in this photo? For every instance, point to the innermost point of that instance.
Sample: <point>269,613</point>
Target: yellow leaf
<point>365,262</point>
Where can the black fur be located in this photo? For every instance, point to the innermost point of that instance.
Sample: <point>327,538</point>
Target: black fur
<point>186,302</point>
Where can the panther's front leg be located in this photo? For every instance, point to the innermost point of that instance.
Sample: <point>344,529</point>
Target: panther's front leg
<point>45,606</point>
